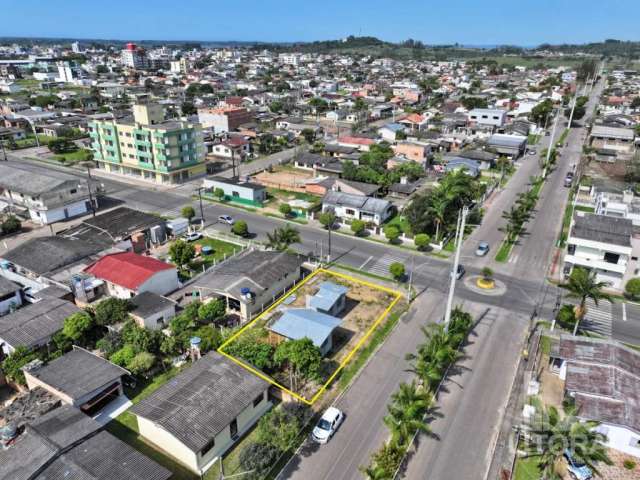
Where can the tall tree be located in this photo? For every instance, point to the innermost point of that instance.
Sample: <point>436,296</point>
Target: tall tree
<point>407,409</point>
<point>583,285</point>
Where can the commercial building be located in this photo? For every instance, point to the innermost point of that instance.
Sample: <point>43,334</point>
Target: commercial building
<point>147,147</point>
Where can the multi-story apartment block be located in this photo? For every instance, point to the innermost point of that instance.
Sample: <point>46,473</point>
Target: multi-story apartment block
<point>134,57</point>
<point>149,148</point>
<point>602,244</point>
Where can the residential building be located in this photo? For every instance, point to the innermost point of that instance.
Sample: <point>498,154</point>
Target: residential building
<point>224,119</point>
<point>46,198</point>
<point>10,296</point>
<point>389,132</point>
<point>601,377</point>
<point>152,311</point>
<point>79,378</point>
<point>418,152</point>
<point>347,207</point>
<point>468,166</point>
<point>331,298</point>
<point>248,282</point>
<point>299,323</point>
<point>203,411</point>
<point>127,274</point>
<point>134,57</point>
<point>601,244</point>
<point>512,146</point>
<point>321,185</point>
<point>487,118</point>
<point>237,190</point>
<point>64,443</point>
<point>34,324</point>
<point>147,147</point>
<point>622,205</point>
<point>620,140</point>
<point>234,147</point>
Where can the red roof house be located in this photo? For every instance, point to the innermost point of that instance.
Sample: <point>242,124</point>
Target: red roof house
<point>127,274</point>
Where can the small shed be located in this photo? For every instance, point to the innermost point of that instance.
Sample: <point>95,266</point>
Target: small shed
<point>330,299</point>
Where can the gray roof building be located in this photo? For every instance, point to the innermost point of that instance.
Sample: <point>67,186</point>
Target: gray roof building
<point>362,203</point>
<point>34,324</point>
<point>78,373</point>
<point>32,183</point>
<point>44,255</point>
<point>65,444</point>
<point>201,401</point>
<point>603,228</point>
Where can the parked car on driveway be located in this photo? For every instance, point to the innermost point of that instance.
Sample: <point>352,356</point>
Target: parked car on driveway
<point>576,469</point>
<point>228,219</point>
<point>483,249</point>
<point>193,236</point>
<point>327,425</point>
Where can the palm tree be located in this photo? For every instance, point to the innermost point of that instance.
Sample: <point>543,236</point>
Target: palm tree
<point>281,238</point>
<point>551,435</point>
<point>583,285</point>
<point>407,409</point>
<point>437,208</point>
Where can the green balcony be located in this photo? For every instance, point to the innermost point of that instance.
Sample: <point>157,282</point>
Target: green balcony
<point>147,165</point>
<point>142,143</point>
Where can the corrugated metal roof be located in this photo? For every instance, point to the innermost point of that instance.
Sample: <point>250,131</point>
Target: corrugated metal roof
<point>299,323</point>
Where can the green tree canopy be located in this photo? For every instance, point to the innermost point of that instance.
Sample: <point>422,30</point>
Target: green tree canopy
<point>78,326</point>
<point>111,310</point>
<point>182,253</point>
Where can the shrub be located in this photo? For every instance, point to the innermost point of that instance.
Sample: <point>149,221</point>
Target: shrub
<point>358,226</point>
<point>396,269</point>
<point>182,253</point>
<point>632,288</point>
<point>285,209</point>
<point>124,356</point>
<point>188,212</point>
<point>210,338</point>
<point>487,274</point>
<point>392,233</point>
<point>12,365</point>
<point>258,354</point>
<point>11,225</point>
<point>566,316</point>
<point>218,193</point>
<point>327,219</point>
<point>257,458</point>
<point>629,464</point>
<point>422,241</point>
<point>141,363</point>
<point>111,310</point>
<point>240,228</point>
<point>208,312</point>
<point>77,326</point>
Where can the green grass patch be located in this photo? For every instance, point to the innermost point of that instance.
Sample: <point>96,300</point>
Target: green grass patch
<point>527,469</point>
<point>581,208</point>
<point>402,223</point>
<point>79,155</point>
<point>504,251</point>
<point>545,344</point>
<point>220,248</point>
<point>566,221</point>
<point>563,138</point>
<point>284,195</point>
<point>378,336</point>
<point>533,139</point>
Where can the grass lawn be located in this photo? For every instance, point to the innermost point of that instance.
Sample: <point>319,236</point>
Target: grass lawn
<point>401,222</point>
<point>79,155</point>
<point>527,469</point>
<point>504,252</point>
<point>220,250</point>
<point>581,208</point>
<point>545,344</point>
<point>566,221</point>
<point>283,195</point>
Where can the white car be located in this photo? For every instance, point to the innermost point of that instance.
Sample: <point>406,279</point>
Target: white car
<point>226,219</point>
<point>482,250</point>
<point>327,425</point>
<point>193,236</point>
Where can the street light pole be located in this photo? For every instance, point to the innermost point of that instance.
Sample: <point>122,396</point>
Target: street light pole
<point>551,145</point>
<point>93,207</point>
<point>462,218</point>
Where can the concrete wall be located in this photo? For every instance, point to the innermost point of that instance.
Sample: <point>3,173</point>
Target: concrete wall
<point>621,439</point>
<point>162,283</point>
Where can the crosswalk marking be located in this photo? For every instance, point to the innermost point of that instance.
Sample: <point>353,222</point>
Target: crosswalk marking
<point>599,318</point>
<point>381,265</point>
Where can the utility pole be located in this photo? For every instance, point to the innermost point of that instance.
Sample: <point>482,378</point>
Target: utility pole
<point>201,209</point>
<point>551,145</point>
<point>89,181</point>
<point>462,218</point>
<point>233,162</point>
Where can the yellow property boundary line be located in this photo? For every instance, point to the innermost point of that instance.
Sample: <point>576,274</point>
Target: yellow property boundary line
<point>397,297</point>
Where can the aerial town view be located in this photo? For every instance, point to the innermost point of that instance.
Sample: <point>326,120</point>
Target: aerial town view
<point>275,240</point>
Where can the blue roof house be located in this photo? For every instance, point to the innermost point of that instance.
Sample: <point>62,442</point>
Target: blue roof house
<point>330,299</point>
<point>299,323</point>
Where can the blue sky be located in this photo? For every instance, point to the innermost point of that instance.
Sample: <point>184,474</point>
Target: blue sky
<point>477,22</point>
